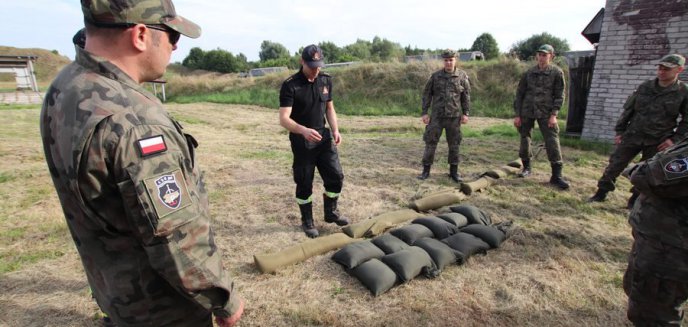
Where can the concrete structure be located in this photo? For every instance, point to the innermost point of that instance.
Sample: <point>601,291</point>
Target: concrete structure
<point>255,72</point>
<point>462,56</point>
<point>22,68</point>
<point>635,34</point>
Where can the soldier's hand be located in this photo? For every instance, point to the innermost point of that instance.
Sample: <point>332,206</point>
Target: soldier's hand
<point>464,119</point>
<point>617,139</point>
<point>517,122</point>
<point>552,121</point>
<point>337,137</point>
<point>425,119</point>
<point>664,145</point>
<point>311,135</point>
<point>233,319</point>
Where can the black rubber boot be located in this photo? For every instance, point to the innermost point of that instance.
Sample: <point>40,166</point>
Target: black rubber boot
<point>426,172</point>
<point>332,214</point>
<point>525,172</point>
<point>556,178</point>
<point>599,196</point>
<point>454,173</point>
<point>307,220</point>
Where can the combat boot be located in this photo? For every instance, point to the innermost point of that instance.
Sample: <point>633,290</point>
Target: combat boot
<point>599,196</point>
<point>332,214</point>
<point>556,178</point>
<point>425,174</point>
<point>454,173</point>
<point>525,172</point>
<point>307,220</point>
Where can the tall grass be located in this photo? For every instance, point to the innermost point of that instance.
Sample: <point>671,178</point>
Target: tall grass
<point>373,89</point>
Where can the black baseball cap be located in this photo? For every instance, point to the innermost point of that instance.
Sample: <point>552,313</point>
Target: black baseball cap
<point>313,57</point>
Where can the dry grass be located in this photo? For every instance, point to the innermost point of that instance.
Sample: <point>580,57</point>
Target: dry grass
<point>562,267</point>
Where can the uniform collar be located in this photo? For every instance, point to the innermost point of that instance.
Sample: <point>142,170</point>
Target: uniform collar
<point>107,69</point>
<point>658,88</point>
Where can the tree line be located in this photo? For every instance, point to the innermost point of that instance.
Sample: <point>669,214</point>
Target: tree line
<point>274,54</point>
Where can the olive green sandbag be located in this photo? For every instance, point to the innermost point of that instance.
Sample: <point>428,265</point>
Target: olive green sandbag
<point>411,262</point>
<point>495,173</point>
<point>473,214</point>
<point>389,243</point>
<point>354,254</point>
<point>455,218</point>
<point>511,170</point>
<point>375,276</point>
<point>516,163</point>
<point>437,200</point>
<point>378,224</point>
<point>270,262</point>
<point>476,185</point>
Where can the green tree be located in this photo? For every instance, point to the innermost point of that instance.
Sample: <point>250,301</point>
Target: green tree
<point>359,50</point>
<point>195,58</point>
<point>331,52</point>
<point>526,49</point>
<point>221,61</point>
<point>272,50</point>
<point>487,45</point>
<point>385,50</point>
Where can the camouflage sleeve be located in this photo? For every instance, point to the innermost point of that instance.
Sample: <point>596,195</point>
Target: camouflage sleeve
<point>682,127</point>
<point>427,95</point>
<point>558,92</point>
<point>520,94</point>
<point>165,202</point>
<point>466,96</point>
<point>626,115</point>
<point>664,175</point>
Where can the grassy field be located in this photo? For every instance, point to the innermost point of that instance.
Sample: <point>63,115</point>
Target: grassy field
<point>563,266</point>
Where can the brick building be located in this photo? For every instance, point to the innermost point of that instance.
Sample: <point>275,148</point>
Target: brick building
<point>634,35</point>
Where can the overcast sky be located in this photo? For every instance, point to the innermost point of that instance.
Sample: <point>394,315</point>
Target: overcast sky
<point>241,26</point>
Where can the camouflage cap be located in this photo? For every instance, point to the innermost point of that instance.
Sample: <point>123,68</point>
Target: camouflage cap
<point>672,60</point>
<point>124,12</point>
<point>546,48</point>
<point>312,56</point>
<point>448,53</point>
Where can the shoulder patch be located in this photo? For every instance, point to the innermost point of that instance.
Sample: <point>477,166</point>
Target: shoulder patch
<point>325,74</point>
<point>151,145</point>
<point>168,192</point>
<point>676,168</point>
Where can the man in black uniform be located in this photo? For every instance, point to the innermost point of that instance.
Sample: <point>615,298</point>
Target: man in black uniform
<point>305,101</point>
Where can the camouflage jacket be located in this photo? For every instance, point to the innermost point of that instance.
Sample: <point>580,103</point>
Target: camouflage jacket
<point>661,211</point>
<point>133,198</point>
<point>650,114</point>
<point>448,93</point>
<point>540,93</point>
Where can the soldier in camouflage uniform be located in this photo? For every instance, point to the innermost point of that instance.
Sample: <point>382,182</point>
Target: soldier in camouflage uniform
<point>126,175</point>
<point>656,280</point>
<point>648,123</point>
<point>448,92</point>
<point>539,97</point>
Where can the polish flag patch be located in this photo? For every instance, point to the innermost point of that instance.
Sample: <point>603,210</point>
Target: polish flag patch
<point>152,145</point>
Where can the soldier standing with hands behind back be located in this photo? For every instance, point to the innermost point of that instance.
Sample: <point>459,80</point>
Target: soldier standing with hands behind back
<point>126,175</point>
<point>539,97</point>
<point>448,93</point>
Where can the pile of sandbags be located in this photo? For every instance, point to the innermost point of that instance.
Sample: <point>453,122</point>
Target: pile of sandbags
<point>423,248</point>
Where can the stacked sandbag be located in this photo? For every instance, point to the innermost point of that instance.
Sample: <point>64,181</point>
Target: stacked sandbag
<point>423,248</point>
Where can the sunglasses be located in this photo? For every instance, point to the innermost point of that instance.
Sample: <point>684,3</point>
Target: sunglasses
<point>173,35</point>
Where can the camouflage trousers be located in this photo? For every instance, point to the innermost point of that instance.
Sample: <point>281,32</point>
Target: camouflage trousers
<point>619,160</point>
<point>550,135</point>
<point>656,282</point>
<point>433,132</point>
